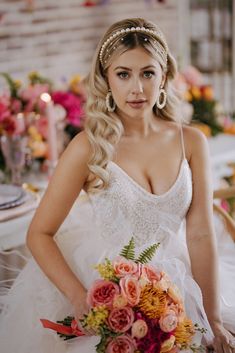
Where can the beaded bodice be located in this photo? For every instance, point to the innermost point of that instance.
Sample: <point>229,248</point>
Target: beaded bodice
<point>125,208</point>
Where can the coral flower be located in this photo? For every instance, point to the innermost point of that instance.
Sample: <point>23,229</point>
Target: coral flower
<point>152,302</point>
<point>184,332</point>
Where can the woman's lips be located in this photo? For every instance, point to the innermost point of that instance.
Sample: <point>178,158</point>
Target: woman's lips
<point>137,104</point>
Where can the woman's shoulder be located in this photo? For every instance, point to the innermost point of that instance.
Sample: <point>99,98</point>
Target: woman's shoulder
<point>79,149</point>
<point>195,141</point>
<point>80,145</point>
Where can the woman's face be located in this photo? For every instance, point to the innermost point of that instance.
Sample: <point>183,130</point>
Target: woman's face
<point>134,78</point>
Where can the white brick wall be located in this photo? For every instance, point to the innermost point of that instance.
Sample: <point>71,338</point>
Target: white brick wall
<point>58,37</point>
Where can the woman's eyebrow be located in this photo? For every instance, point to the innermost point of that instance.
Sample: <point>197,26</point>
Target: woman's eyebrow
<point>128,69</point>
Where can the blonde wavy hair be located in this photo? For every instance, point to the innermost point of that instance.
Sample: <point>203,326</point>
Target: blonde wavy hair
<point>104,129</point>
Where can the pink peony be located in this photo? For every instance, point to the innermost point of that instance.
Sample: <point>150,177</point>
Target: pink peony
<point>72,104</point>
<point>121,344</point>
<point>139,329</point>
<point>130,289</point>
<point>168,321</point>
<point>150,273</point>
<point>121,320</point>
<point>123,267</point>
<point>102,293</point>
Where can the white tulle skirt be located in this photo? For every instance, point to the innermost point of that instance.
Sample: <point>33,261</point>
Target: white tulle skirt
<point>33,296</point>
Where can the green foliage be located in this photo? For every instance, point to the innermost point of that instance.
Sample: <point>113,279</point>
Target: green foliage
<point>147,254</point>
<point>66,322</point>
<point>129,250</point>
<point>13,86</point>
<point>105,335</point>
<point>34,78</point>
<point>204,112</point>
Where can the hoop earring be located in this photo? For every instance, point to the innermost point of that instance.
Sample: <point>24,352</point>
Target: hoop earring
<point>110,106</point>
<point>161,102</point>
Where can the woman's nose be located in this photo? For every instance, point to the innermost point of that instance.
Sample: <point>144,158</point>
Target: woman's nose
<point>137,87</point>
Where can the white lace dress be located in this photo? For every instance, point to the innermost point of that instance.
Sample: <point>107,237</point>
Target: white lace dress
<point>102,224</point>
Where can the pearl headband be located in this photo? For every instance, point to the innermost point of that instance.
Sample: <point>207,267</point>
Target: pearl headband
<point>157,34</point>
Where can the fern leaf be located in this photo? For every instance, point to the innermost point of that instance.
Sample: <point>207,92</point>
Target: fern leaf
<point>147,254</point>
<point>129,250</point>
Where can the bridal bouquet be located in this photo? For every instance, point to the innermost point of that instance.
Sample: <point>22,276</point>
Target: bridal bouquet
<point>134,308</point>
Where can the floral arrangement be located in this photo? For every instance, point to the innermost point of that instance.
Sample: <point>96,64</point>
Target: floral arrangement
<point>23,113</point>
<point>134,307</point>
<point>207,113</point>
<point>72,100</point>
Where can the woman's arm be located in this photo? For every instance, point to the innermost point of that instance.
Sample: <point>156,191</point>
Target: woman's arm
<point>201,235</point>
<point>199,226</point>
<point>64,187</point>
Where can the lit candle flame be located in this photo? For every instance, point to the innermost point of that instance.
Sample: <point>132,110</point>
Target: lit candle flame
<point>45,97</point>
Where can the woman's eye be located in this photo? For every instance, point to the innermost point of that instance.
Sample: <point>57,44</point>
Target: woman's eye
<point>148,74</point>
<point>123,74</point>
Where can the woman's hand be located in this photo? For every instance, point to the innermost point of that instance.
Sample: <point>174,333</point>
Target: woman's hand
<point>81,308</point>
<point>224,341</point>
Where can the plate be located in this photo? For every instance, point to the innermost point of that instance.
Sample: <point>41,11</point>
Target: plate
<point>10,193</point>
<point>14,203</point>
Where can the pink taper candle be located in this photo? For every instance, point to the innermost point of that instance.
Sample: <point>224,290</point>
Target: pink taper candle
<point>52,138</point>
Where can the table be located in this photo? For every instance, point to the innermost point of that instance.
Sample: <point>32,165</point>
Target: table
<point>222,150</point>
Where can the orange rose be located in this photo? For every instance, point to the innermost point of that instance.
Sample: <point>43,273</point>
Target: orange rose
<point>150,273</point>
<point>130,290</point>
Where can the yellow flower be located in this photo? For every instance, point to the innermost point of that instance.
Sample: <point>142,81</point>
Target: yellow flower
<point>184,332</point>
<point>152,302</point>
<point>18,84</point>
<point>96,317</point>
<point>196,92</point>
<point>32,75</point>
<point>34,134</point>
<point>74,84</point>
<point>106,270</point>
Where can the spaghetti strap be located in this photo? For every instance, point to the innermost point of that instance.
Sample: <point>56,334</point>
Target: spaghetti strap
<point>182,140</point>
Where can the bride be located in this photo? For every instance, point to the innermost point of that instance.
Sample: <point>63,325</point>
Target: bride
<point>142,173</point>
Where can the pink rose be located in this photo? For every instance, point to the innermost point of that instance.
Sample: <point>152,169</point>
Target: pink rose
<point>168,344</point>
<point>120,320</point>
<point>124,267</point>
<point>102,293</point>
<point>130,289</point>
<point>139,329</point>
<point>151,273</point>
<point>121,344</point>
<point>168,321</point>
